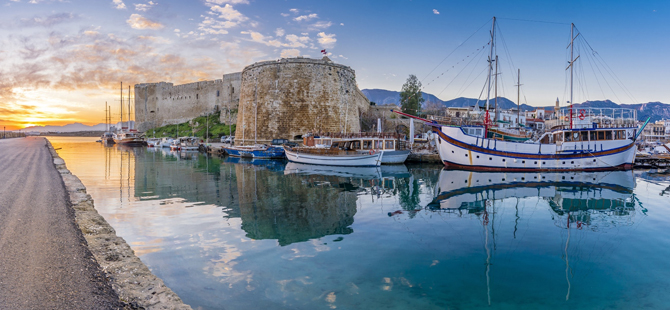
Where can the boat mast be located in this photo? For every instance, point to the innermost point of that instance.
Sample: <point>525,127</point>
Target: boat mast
<point>488,89</point>
<point>495,104</point>
<point>121,105</point>
<point>572,61</point>
<point>128,107</point>
<point>518,97</point>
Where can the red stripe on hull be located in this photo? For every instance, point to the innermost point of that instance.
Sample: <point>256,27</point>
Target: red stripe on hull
<point>450,165</point>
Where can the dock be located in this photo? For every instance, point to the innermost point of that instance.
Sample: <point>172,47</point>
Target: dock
<point>653,161</point>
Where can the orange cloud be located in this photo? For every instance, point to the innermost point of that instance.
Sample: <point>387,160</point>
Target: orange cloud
<point>137,21</point>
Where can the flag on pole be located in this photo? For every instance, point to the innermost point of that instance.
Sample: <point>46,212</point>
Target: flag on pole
<point>324,52</point>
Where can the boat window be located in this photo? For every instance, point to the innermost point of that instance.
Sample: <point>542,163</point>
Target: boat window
<point>593,136</point>
<point>378,144</point>
<point>367,144</point>
<point>326,141</point>
<point>620,135</point>
<point>389,144</point>
<point>335,144</point>
<point>478,132</point>
<point>601,135</point>
<point>608,135</point>
<point>585,136</point>
<point>568,137</point>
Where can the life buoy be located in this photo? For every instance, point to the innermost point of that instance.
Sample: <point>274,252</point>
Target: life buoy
<point>372,152</point>
<point>581,114</point>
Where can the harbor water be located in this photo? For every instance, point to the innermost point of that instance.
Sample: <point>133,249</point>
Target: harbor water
<point>227,233</point>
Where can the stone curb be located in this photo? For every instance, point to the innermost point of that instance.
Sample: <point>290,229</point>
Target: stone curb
<point>130,278</point>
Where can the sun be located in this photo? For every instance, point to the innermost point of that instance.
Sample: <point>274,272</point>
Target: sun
<point>29,125</point>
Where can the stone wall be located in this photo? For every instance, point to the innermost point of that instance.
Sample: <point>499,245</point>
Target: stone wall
<point>160,104</point>
<point>291,97</point>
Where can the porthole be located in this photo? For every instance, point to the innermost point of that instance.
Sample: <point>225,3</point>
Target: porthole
<point>503,179</point>
<point>503,159</point>
<point>536,163</point>
<point>594,160</point>
<point>466,155</point>
<point>572,162</point>
<point>564,163</point>
<point>522,179</point>
<point>490,158</point>
<point>544,162</point>
<point>523,161</point>
<point>452,152</point>
<point>477,156</point>
<point>563,177</point>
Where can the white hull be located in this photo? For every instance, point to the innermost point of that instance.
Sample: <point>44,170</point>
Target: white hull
<point>394,157</point>
<point>459,150</point>
<point>335,160</point>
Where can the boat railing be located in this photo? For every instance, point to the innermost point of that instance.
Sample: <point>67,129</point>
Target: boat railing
<point>358,135</point>
<point>598,117</point>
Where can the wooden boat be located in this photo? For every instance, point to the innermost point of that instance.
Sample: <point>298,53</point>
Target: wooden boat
<point>587,140</point>
<point>393,147</point>
<point>129,138</point>
<point>189,143</point>
<point>339,154</point>
<point>255,151</point>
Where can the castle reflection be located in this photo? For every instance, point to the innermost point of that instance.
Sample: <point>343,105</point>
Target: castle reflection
<point>274,199</point>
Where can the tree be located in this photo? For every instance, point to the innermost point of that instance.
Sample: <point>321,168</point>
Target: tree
<point>410,96</point>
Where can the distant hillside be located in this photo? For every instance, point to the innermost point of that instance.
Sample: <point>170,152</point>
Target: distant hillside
<point>71,127</point>
<point>654,110</point>
<point>382,96</point>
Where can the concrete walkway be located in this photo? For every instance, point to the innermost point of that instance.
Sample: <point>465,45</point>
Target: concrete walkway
<point>44,261</point>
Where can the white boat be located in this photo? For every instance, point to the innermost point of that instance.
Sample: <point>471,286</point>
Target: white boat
<point>393,148</point>
<point>332,156</point>
<point>189,143</point>
<point>166,142</point>
<point>153,142</point>
<point>586,139</point>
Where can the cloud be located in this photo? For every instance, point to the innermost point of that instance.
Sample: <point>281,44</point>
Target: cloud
<point>48,21</point>
<point>294,11</point>
<point>136,21</point>
<point>214,26</point>
<point>284,14</point>
<point>326,40</point>
<point>296,41</point>
<point>260,38</point>
<point>320,25</point>
<point>119,4</point>
<point>279,32</point>
<point>229,13</point>
<point>436,12</point>
<point>143,7</point>
<point>290,53</point>
<point>341,24</point>
<point>306,17</point>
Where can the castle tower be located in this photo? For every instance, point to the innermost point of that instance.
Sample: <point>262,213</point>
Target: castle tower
<point>290,97</point>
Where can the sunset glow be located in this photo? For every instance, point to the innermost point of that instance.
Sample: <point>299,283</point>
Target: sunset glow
<point>60,61</point>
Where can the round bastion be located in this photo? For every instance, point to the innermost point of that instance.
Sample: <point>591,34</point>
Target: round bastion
<point>290,97</point>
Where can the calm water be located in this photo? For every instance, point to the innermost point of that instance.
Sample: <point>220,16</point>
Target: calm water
<point>240,234</point>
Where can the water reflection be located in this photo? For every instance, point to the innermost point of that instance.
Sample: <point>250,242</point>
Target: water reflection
<point>249,234</point>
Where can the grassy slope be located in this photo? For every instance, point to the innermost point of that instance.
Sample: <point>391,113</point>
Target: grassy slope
<point>216,129</point>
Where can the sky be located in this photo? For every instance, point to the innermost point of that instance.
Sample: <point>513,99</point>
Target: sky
<point>62,60</point>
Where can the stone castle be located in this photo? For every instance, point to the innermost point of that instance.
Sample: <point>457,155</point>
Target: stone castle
<point>267,100</point>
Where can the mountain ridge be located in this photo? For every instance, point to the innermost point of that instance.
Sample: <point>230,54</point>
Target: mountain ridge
<point>654,110</point>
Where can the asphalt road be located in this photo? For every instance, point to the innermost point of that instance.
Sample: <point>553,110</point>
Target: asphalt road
<point>44,261</point>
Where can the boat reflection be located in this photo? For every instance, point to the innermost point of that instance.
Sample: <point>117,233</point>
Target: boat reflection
<point>583,201</point>
<point>567,192</point>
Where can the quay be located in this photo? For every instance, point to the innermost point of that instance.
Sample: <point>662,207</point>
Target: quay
<point>56,251</point>
<point>653,161</point>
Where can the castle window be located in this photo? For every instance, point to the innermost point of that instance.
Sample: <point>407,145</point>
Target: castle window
<point>218,93</point>
<point>196,96</point>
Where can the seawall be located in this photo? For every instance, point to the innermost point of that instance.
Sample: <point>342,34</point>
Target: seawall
<point>131,279</point>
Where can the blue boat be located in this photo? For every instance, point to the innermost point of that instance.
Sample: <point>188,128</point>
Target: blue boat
<point>256,151</point>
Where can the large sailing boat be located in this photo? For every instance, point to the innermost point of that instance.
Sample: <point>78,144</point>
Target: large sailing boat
<point>588,140</point>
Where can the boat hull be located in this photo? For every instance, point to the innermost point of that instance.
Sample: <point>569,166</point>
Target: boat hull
<point>269,153</point>
<point>362,160</point>
<point>460,151</point>
<point>395,157</point>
